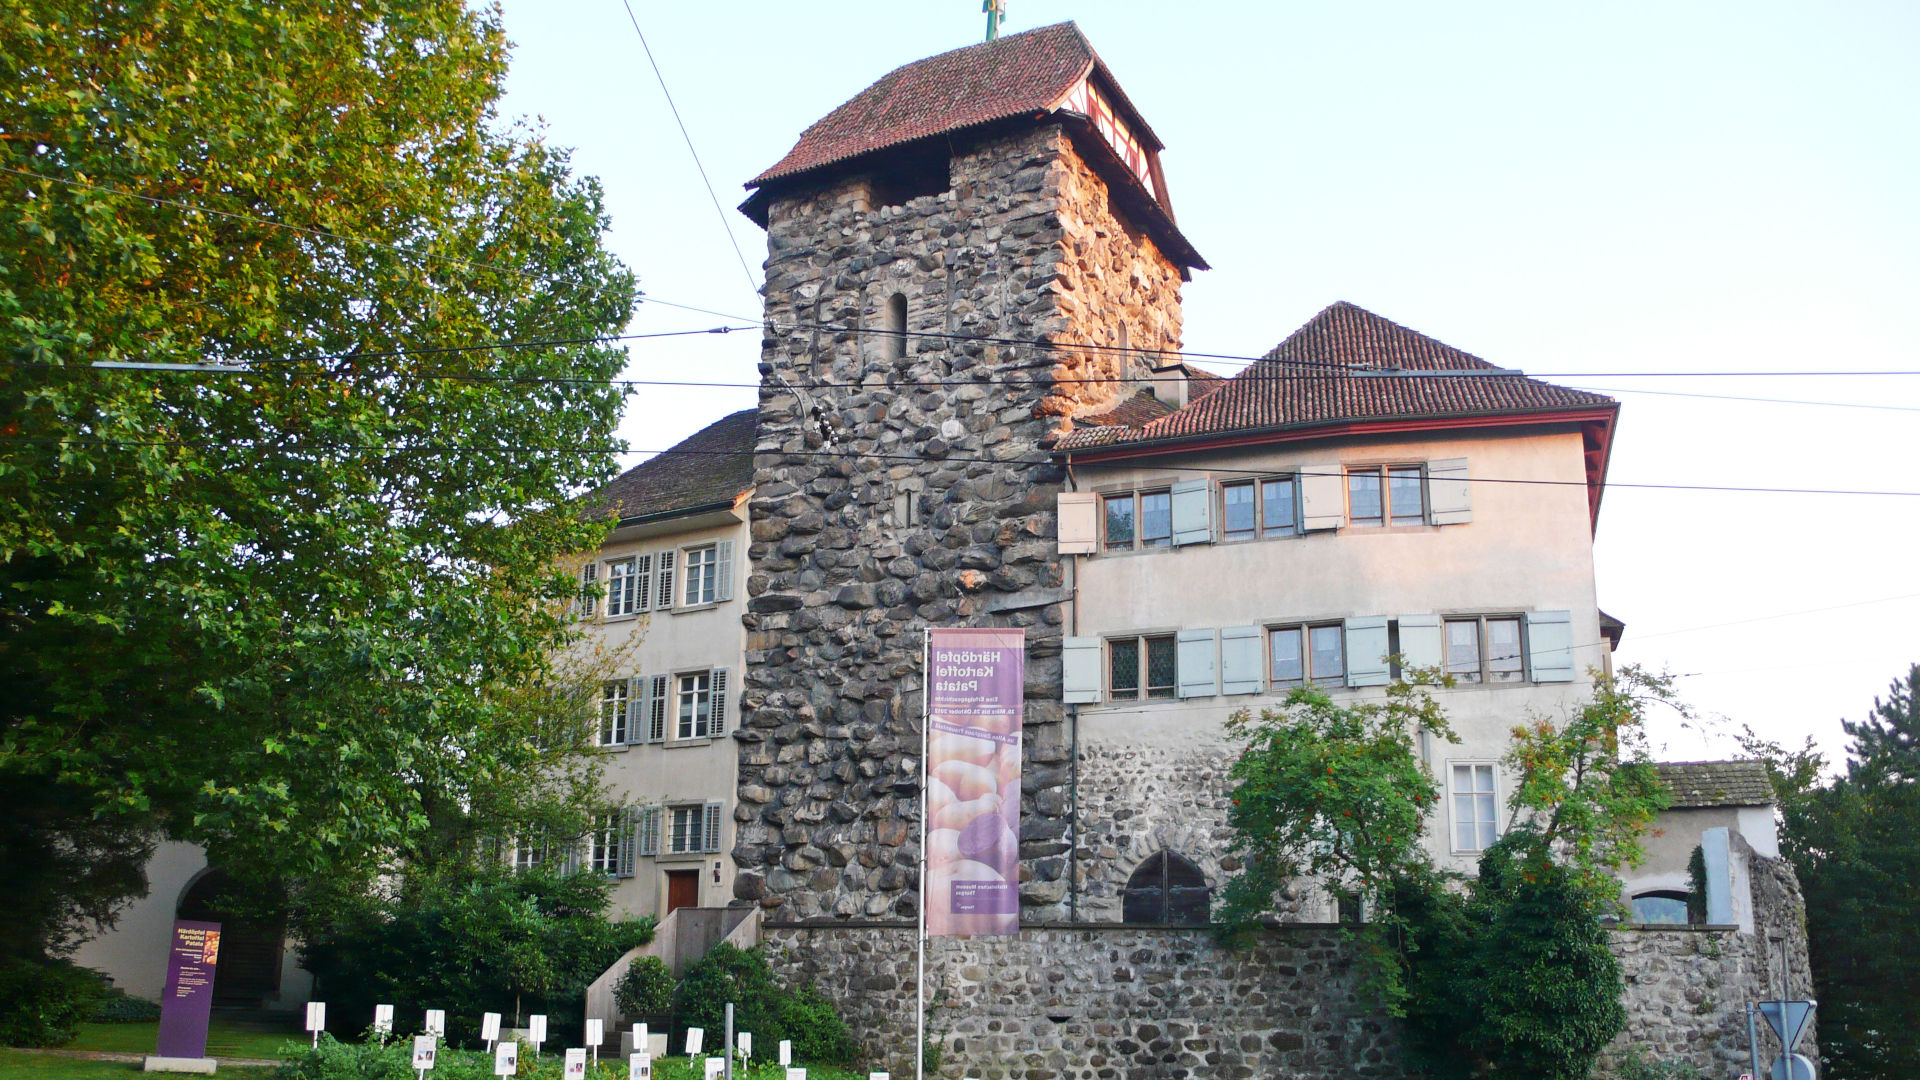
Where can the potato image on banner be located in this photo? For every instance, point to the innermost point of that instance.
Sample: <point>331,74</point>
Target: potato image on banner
<point>951,747</point>
<point>968,781</point>
<point>955,815</point>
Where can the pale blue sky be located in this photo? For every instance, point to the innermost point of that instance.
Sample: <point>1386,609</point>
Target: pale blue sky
<point>1617,188</point>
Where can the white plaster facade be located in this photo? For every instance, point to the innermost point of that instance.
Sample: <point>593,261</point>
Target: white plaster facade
<point>1524,549</point>
<point>655,776</point>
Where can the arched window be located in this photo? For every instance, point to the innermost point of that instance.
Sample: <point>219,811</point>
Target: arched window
<point>897,326</point>
<point>1661,907</point>
<point>1167,890</point>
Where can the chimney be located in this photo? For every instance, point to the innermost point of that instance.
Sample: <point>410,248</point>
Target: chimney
<point>1170,384</point>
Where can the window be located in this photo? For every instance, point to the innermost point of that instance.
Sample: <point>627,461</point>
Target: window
<point>897,326</point>
<point>1485,648</point>
<point>1167,890</point>
<point>1309,653</point>
<point>603,853</point>
<point>529,851</point>
<point>693,829</point>
<point>696,706</point>
<point>1666,907</point>
<point>1136,663</point>
<point>1138,519</point>
<point>1386,495</point>
<point>613,713</point>
<point>702,576</point>
<point>1473,807</point>
<point>621,599</point>
<point>1259,508</point>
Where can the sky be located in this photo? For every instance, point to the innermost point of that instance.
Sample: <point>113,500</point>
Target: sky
<point>1601,195</point>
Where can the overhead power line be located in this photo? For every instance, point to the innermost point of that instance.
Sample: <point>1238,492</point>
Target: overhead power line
<point>725,226</point>
<point>515,448</point>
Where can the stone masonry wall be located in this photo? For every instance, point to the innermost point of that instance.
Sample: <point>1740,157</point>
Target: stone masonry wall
<point>1023,246</point>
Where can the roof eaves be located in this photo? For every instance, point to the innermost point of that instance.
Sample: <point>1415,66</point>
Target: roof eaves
<point>1315,428</point>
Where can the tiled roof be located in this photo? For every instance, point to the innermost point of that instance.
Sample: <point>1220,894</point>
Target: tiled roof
<point>1020,73</point>
<point>1348,364</point>
<point>1696,784</point>
<point>1136,410</point>
<point>711,467</point>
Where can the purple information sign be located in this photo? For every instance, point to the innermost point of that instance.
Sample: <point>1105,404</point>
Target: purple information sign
<point>975,705</point>
<point>189,995</point>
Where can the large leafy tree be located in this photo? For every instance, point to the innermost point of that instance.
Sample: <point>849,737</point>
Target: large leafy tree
<point>299,610</point>
<point>1855,844</point>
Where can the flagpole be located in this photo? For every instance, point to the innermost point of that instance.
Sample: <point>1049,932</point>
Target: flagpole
<point>920,950</point>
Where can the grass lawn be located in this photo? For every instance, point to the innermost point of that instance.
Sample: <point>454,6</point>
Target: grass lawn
<point>24,1064</point>
<point>224,1039</point>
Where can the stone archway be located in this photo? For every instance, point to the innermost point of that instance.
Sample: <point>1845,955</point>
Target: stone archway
<point>1167,889</point>
<point>252,937</point>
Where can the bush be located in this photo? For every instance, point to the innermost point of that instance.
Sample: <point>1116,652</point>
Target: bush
<point>116,1006</point>
<point>646,989</point>
<point>468,941</point>
<point>1634,1065</point>
<point>45,1001</point>
<point>370,1061</point>
<point>730,974</point>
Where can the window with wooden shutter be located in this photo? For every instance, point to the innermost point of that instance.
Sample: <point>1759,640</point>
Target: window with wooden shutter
<point>1080,670</point>
<point>1240,667</point>
<point>1192,512</point>
<point>1199,673</point>
<point>650,830</point>
<point>657,702</point>
<point>1323,500</point>
<point>1449,491</point>
<point>713,827</point>
<point>629,840</point>
<point>719,725</point>
<point>589,601</point>
<point>663,571</point>
<point>1550,645</point>
<point>723,568</point>
<point>615,709</point>
<point>1420,642</point>
<point>1077,513</point>
<point>1367,650</point>
<point>643,582</point>
<point>620,594</point>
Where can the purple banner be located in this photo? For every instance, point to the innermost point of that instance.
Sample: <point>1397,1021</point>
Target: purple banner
<point>188,998</point>
<point>975,705</point>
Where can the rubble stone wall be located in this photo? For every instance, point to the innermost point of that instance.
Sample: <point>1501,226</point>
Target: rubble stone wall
<point>1022,247</point>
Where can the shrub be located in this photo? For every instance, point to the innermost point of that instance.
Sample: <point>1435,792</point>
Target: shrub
<point>45,1001</point>
<point>646,989</point>
<point>116,1006</point>
<point>730,974</point>
<point>1634,1065</point>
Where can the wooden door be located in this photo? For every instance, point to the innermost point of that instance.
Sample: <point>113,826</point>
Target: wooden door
<point>683,889</point>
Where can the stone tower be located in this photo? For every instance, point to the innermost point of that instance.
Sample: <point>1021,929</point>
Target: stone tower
<point>966,257</point>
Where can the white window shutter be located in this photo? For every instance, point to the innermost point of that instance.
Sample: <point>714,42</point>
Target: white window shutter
<point>1079,522</point>
<point>1080,670</point>
<point>650,830</point>
<point>1323,500</point>
<point>1550,645</point>
<point>713,827</point>
<point>1448,492</point>
<point>1420,642</point>
<point>719,703</point>
<point>1240,660</point>
<point>663,595</point>
<point>643,583</point>
<point>723,571</point>
<point>629,828</point>
<point>1193,512</point>
<point>637,709</point>
<point>657,708</point>
<point>1367,650</point>
<point>589,603</point>
<point>1194,656</point>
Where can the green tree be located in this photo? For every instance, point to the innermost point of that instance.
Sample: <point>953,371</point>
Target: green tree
<point>1855,845</point>
<point>301,610</point>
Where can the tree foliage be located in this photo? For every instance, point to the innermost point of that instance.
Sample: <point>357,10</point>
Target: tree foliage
<point>299,611</point>
<point>1855,845</point>
<point>1507,973</point>
<point>473,940</point>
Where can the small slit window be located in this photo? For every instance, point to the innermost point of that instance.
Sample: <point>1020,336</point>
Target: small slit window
<point>897,326</point>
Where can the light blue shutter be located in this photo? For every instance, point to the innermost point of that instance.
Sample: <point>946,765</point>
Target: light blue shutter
<point>1367,650</point>
<point>1420,642</point>
<point>723,571</point>
<point>718,704</point>
<point>1080,670</point>
<point>1198,673</point>
<point>712,827</point>
<point>650,830</point>
<point>1240,667</point>
<point>1550,645</point>
<point>1323,497</point>
<point>1448,491</point>
<point>629,828</point>
<point>1193,512</point>
<point>637,709</point>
